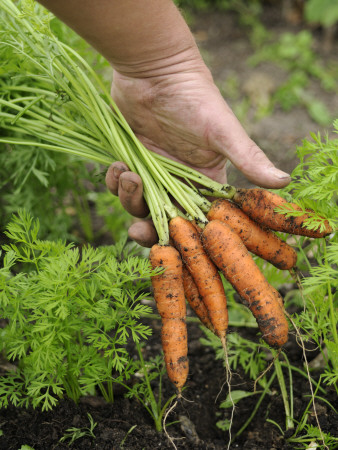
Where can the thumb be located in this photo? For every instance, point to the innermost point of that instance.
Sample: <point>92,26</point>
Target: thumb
<point>233,142</point>
<point>247,157</point>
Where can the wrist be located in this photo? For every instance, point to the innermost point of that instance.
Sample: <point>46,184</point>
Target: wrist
<point>161,63</point>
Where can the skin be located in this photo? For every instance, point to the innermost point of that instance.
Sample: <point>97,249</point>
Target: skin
<point>167,95</point>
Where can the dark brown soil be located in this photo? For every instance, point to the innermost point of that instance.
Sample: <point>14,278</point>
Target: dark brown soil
<point>126,424</point>
<point>200,410</point>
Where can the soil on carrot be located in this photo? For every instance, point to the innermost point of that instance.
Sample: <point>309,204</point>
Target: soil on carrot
<point>125,424</point>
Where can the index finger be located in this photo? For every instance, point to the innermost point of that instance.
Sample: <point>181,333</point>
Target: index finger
<point>113,175</point>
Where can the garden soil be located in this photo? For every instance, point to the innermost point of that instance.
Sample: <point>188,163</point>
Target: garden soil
<point>125,424</point>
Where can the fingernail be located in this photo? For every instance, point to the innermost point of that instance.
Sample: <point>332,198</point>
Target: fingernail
<point>117,171</point>
<point>128,186</point>
<point>281,175</point>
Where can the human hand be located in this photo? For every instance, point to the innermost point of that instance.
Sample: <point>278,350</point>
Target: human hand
<point>166,93</point>
<point>183,116</point>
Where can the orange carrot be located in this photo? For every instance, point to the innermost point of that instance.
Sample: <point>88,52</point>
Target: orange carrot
<point>260,205</point>
<point>194,299</point>
<point>230,255</point>
<point>198,228</point>
<point>170,301</point>
<point>261,242</point>
<point>207,279</point>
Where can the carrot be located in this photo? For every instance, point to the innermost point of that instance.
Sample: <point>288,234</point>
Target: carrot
<point>230,255</point>
<point>170,301</point>
<point>206,277</point>
<point>194,299</point>
<point>197,227</point>
<point>260,204</point>
<point>261,242</point>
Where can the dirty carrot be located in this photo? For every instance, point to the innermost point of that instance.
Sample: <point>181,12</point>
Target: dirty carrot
<point>187,239</point>
<point>170,301</point>
<point>195,300</point>
<point>230,255</point>
<point>260,205</point>
<point>207,279</point>
<point>261,242</point>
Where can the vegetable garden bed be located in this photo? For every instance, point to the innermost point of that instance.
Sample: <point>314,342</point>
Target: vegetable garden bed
<point>125,424</point>
<point>201,419</point>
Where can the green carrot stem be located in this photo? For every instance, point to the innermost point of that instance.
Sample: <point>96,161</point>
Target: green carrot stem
<point>226,191</point>
<point>33,89</point>
<point>181,170</point>
<point>98,158</point>
<point>42,117</point>
<point>281,381</point>
<point>53,138</point>
<point>332,309</point>
<point>201,201</point>
<point>106,137</point>
<point>172,186</point>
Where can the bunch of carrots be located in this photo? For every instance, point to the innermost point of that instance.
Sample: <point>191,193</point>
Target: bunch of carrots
<point>192,262</point>
<point>52,99</point>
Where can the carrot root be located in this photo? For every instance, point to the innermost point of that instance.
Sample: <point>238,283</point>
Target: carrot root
<point>230,255</point>
<point>195,300</point>
<point>260,204</point>
<point>206,277</point>
<point>262,242</point>
<point>170,301</point>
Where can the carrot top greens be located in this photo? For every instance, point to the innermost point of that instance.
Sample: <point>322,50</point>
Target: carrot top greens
<point>56,101</point>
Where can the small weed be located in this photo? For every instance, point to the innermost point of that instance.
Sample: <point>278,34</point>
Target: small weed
<point>73,434</point>
<point>127,434</point>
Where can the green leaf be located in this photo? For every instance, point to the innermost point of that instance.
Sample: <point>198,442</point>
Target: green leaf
<point>235,397</point>
<point>324,12</point>
<point>70,316</point>
<point>332,350</point>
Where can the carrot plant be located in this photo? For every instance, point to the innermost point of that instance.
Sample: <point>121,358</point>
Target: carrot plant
<point>70,314</point>
<point>314,185</point>
<point>151,399</point>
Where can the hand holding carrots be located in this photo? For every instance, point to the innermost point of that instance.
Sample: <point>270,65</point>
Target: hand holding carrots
<point>185,118</point>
